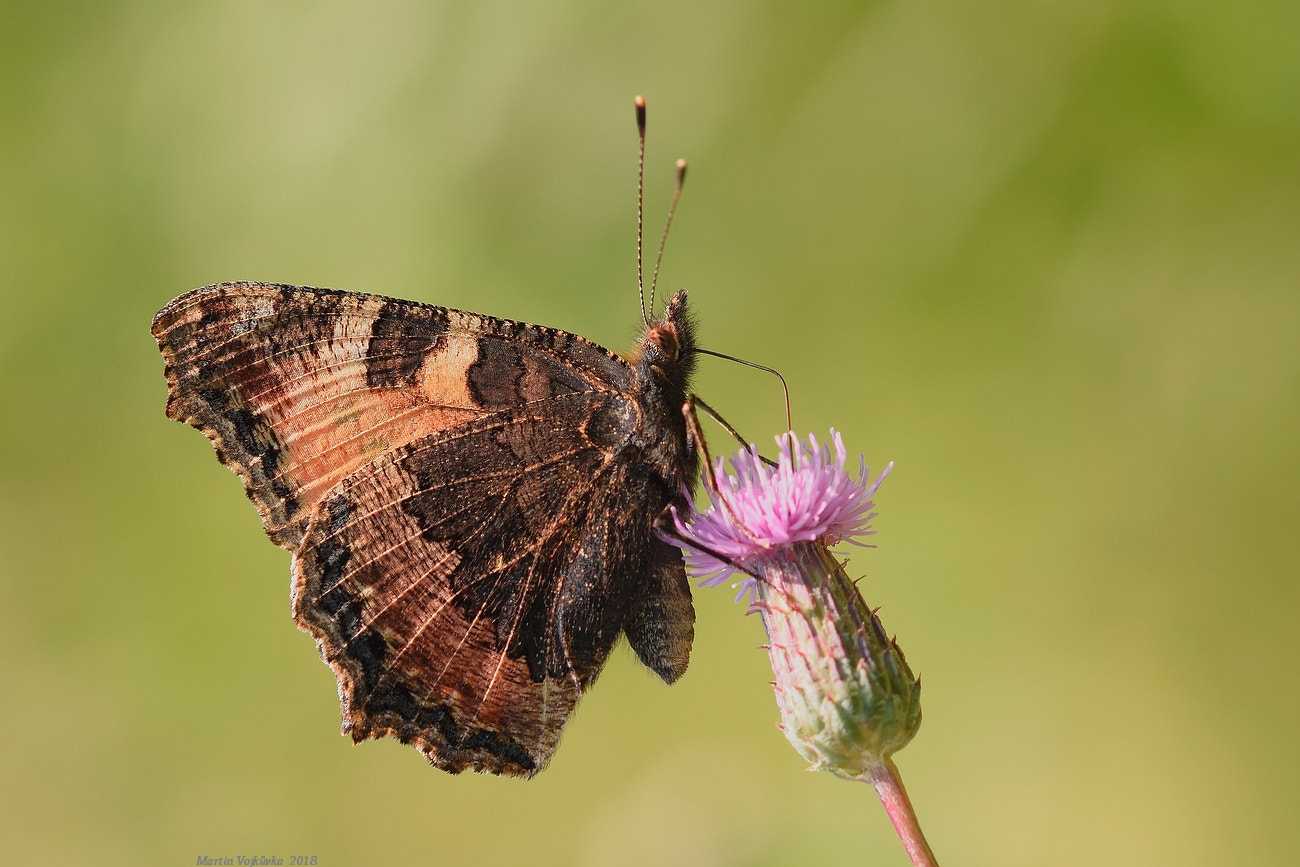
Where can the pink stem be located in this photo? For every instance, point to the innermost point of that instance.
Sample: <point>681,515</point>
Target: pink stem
<point>889,787</point>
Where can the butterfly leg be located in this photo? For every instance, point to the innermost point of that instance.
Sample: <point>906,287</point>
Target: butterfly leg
<point>726,425</point>
<point>710,478</point>
<point>665,526</point>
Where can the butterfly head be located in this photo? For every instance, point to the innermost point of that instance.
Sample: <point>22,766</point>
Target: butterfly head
<point>667,351</point>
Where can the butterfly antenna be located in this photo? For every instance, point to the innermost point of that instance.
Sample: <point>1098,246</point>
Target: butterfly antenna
<point>789,425</point>
<point>668,224</point>
<point>640,202</point>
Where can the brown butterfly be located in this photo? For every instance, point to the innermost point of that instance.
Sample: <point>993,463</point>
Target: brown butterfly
<point>471,502</point>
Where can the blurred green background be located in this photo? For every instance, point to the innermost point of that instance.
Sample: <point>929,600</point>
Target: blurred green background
<point>1044,256</point>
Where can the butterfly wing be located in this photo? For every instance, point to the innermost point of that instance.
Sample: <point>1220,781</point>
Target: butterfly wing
<point>298,387</point>
<point>470,519</point>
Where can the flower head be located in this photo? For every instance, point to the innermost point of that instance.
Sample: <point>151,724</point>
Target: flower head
<point>847,697</point>
<point>807,496</point>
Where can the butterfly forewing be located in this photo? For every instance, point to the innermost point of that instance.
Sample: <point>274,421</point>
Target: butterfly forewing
<point>298,387</point>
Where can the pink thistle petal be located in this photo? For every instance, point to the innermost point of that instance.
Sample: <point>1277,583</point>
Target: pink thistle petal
<point>808,496</point>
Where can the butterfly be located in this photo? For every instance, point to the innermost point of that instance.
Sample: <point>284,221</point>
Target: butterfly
<point>471,502</point>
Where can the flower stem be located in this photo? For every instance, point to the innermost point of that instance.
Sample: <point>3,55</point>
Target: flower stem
<point>889,787</point>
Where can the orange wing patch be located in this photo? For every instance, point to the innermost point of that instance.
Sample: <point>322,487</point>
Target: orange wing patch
<point>298,389</point>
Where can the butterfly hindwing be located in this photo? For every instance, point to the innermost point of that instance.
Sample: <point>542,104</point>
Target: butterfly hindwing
<point>467,587</point>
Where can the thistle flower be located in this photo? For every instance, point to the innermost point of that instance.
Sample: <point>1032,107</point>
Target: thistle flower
<point>847,698</point>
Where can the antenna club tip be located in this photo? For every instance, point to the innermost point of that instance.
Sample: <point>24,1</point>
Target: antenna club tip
<point>640,113</point>
<point>640,102</point>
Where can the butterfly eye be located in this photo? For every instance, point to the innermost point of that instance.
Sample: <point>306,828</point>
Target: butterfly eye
<point>663,338</point>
